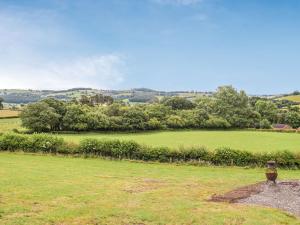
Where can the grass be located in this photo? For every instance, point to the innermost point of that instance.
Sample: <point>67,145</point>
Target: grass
<point>294,98</point>
<point>6,113</point>
<point>10,124</point>
<point>56,190</point>
<point>254,141</point>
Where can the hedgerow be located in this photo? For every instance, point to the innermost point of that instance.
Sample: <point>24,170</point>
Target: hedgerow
<point>119,149</point>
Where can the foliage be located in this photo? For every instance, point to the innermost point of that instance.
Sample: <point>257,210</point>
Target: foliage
<point>40,117</point>
<point>131,150</point>
<point>227,108</point>
<point>267,110</point>
<point>178,103</point>
<point>265,124</point>
<point>1,103</point>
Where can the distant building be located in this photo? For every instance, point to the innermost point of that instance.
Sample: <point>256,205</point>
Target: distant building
<point>281,127</point>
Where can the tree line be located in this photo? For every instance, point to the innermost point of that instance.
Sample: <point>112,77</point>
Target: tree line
<point>226,108</point>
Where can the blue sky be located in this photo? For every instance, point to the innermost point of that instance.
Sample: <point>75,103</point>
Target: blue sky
<point>161,44</point>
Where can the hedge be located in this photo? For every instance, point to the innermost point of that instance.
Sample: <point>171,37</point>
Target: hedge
<point>117,149</point>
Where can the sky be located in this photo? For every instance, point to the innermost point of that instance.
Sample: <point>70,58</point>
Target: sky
<point>253,45</point>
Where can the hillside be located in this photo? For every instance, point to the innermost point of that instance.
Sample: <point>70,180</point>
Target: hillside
<point>293,98</point>
<point>18,96</point>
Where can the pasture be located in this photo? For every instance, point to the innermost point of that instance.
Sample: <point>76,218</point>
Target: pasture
<point>255,141</point>
<point>38,189</point>
<point>7,113</point>
<point>7,125</point>
<point>293,98</point>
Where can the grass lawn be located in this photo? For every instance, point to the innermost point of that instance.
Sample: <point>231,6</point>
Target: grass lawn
<point>243,140</point>
<point>9,124</point>
<point>55,190</point>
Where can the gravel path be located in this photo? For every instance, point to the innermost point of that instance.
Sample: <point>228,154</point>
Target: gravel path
<point>284,195</point>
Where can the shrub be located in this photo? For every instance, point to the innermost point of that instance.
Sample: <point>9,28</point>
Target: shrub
<point>228,156</point>
<point>44,143</point>
<point>132,150</point>
<point>13,142</point>
<point>217,122</point>
<point>265,124</point>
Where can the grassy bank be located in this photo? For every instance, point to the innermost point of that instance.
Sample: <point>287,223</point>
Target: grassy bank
<point>58,190</point>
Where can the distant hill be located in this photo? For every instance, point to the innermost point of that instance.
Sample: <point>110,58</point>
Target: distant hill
<point>139,95</point>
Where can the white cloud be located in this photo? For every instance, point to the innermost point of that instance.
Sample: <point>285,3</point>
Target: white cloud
<point>97,72</point>
<point>33,54</point>
<point>178,2</point>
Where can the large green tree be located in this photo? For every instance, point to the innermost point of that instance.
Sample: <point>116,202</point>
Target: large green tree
<point>40,117</point>
<point>76,118</point>
<point>267,110</point>
<point>233,106</point>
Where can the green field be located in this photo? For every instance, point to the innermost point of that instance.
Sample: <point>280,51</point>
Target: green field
<point>7,113</point>
<point>255,141</point>
<point>56,190</point>
<point>10,124</point>
<point>294,98</point>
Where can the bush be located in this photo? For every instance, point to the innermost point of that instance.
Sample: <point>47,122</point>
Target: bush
<point>217,122</point>
<point>13,142</point>
<point>229,157</point>
<point>44,143</point>
<point>265,124</point>
<point>131,150</point>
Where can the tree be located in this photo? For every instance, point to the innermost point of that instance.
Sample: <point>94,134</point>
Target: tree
<point>265,124</point>
<point>75,118</point>
<point>60,109</point>
<point>158,111</point>
<point>233,106</point>
<point>97,99</point>
<point>216,122</point>
<point>200,117</point>
<point>293,119</point>
<point>97,120</point>
<point>175,122</point>
<point>205,103</point>
<point>135,119</point>
<point>40,117</point>
<point>1,103</point>
<point>178,103</point>
<point>267,110</point>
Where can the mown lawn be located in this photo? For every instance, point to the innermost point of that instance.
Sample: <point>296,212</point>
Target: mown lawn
<point>255,141</point>
<point>55,190</point>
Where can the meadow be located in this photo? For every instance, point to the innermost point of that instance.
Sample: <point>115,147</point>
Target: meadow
<point>7,113</point>
<point>255,141</point>
<point>293,98</point>
<point>39,189</point>
<point>7,125</point>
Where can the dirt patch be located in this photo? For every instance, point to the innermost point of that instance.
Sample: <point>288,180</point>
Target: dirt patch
<point>284,195</point>
<point>238,194</point>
